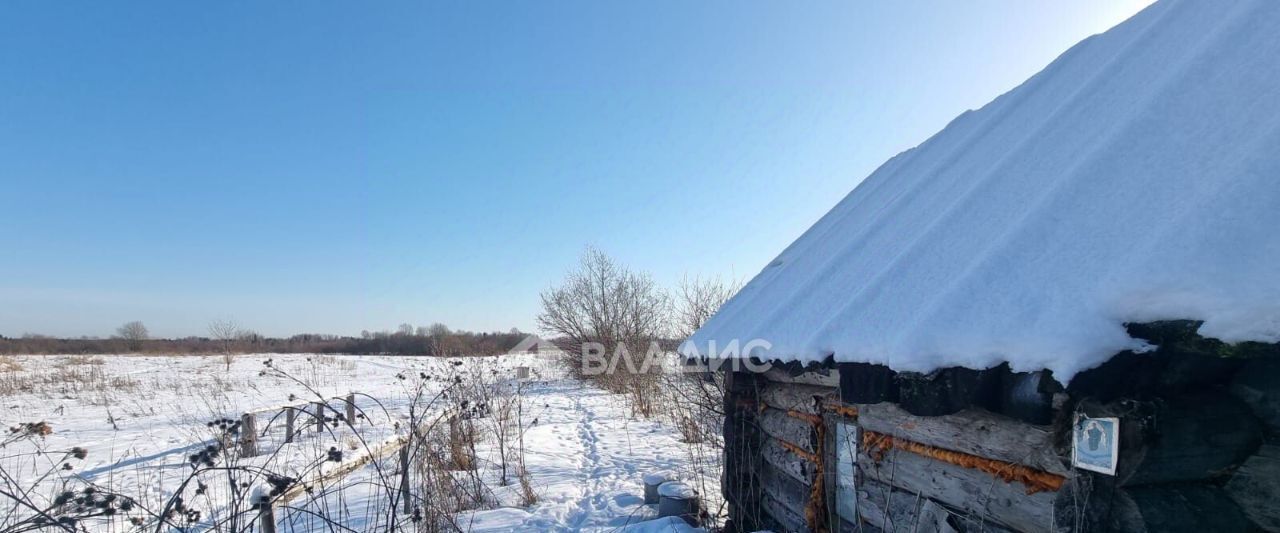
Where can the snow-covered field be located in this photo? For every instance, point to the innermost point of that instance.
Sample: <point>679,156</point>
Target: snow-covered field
<point>141,422</point>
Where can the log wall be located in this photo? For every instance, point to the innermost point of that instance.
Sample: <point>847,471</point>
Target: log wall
<point>1211,443</point>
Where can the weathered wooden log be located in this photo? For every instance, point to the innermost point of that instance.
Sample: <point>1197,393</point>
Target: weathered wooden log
<point>405,466</point>
<point>1126,375</point>
<point>970,431</point>
<point>742,439</point>
<point>792,397</point>
<point>248,435</point>
<point>318,408</point>
<point>1183,337</point>
<point>1092,503</point>
<point>290,418</point>
<point>822,377</point>
<point>1181,509</point>
<point>780,425</point>
<point>785,460</point>
<point>266,518</point>
<point>1183,438</point>
<point>1183,362</point>
<point>1028,396</point>
<point>972,491</point>
<point>1187,362</point>
<point>948,390</point>
<point>1257,384</point>
<point>779,517</point>
<point>1255,487</point>
<point>889,509</point>
<point>867,383</point>
<point>461,443</point>
<point>784,489</point>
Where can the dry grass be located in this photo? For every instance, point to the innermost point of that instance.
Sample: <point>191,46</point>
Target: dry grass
<point>9,363</point>
<point>73,361</point>
<point>67,377</point>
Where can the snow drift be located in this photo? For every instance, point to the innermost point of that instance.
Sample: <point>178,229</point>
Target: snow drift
<point>1135,178</point>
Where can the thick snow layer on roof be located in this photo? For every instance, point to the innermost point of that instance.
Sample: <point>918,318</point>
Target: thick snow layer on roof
<point>1136,178</point>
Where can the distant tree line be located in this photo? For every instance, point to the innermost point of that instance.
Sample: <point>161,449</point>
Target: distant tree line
<point>225,336</point>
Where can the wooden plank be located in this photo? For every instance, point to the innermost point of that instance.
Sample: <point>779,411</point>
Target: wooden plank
<point>1258,385</point>
<point>786,396</point>
<point>266,519</point>
<point>972,491</point>
<point>1255,487</point>
<point>376,452</point>
<point>318,413</point>
<point>970,431</point>
<point>782,516</point>
<point>828,377</point>
<point>786,461</point>
<point>780,425</point>
<point>405,496</point>
<point>784,489</point>
<point>248,435</point>
<point>1190,438</point>
<point>867,383</point>
<point>290,417</point>
<point>1187,508</point>
<point>895,510</point>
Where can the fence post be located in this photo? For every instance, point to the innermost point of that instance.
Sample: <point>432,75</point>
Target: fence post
<point>351,409</point>
<point>404,472</point>
<point>319,417</point>
<point>266,518</point>
<point>289,416</point>
<point>248,435</point>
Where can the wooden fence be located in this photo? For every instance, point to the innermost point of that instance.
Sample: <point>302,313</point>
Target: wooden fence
<point>249,447</point>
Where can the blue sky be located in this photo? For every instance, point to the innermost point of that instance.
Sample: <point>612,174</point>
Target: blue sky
<point>339,166</point>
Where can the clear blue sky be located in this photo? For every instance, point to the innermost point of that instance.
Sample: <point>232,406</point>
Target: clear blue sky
<point>336,166</point>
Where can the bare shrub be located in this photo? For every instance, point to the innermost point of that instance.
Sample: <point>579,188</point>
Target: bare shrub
<point>605,306</point>
<point>698,299</point>
<point>695,399</point>
<point>495,408</point>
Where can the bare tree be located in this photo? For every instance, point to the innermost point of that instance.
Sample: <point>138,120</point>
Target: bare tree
<point>697,396</point>
<point>225,331</point>
<point>605,305</point>
<point>134,333</point>
<point>697,299</point>
<point>695,399</point>
<point>437,329</point>
<point>405,330</point>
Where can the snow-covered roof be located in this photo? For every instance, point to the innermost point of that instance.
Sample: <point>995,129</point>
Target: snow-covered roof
<point>1135,178</point>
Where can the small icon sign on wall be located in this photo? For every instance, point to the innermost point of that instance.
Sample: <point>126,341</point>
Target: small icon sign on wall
<point>1095,444</point>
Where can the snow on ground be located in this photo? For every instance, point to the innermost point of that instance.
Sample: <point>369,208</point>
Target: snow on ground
<point>1133,179</point>
<point>587,459</point>
<point>141,418</point>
